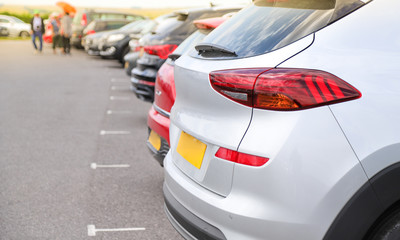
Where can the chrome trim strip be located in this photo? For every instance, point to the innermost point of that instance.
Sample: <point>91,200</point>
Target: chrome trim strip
<point>161,111</point>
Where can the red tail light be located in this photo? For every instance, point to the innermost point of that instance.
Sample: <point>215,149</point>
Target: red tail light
<point>160,50</point>
<point>241,158</point>
<point>84,19</point>
<point>282,89</point>
<point>236,84</point>
<point>90,32</point>
<point>209,23</point>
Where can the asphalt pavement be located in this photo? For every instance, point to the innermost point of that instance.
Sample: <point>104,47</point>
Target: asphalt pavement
<point>73,157</point>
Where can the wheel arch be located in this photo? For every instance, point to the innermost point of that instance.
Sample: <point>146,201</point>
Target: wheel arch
<point>370,204</point>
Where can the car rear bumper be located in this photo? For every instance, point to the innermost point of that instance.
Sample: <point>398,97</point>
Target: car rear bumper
<point>76,41</point>
<point>160,125</point>
<point>143,89</point>
<point>186,223</point>
<point>158,122</point>
<point>158,154</point>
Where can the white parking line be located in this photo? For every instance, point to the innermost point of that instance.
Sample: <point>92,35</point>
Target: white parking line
<point>118,88</point>
<point>95,166</point>
<point>109,112</point>
<point>92,230</point>
<point>119,98</point>
<point>103,132</point>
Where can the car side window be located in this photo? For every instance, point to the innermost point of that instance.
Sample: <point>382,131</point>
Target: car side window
<point>133,18</point>
<point>112,16</point>
<point>100,26</point>
<point>2,20</point>
<point>115,25</point>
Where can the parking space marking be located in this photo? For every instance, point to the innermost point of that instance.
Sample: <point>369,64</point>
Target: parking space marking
<point>119,98</point>
<point>92,230</point>
<point>95,166</point>
<point>118,88</point>
<point>119,80</point>
<point>103,132</point>
<point>109,112</point>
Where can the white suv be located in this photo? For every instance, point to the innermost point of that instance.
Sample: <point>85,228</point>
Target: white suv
<point>286,125</point>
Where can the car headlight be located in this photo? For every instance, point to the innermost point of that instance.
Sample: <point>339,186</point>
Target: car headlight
<point>115,37</point>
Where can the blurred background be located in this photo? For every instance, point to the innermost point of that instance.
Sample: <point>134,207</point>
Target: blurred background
<point>23,9</point>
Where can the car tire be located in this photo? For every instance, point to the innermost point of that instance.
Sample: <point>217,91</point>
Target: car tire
<point>388,228</point>
<point>24,34</point>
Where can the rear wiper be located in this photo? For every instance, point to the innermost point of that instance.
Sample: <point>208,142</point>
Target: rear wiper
<point>211,50</point>
<point>174,56</point>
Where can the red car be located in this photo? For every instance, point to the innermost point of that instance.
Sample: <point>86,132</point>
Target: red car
<point>164,94</point>
<point>48,34</point>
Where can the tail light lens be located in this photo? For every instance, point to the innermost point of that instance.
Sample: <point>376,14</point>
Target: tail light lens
<point>236,84</point>
<point>209,23</point>
<point>84,19</point>
<point>160,50</point>
<point>241,158</point>
<point>90,32</point>
<point>282,89</point>
<point>137,49</point>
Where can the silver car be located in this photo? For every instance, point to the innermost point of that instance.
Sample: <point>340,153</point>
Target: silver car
<point>14,26</point>
<point>286,125</point>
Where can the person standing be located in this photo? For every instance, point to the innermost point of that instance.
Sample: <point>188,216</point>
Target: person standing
<point>66,32</point>
<point>55,25</point>
<point>37,30</point>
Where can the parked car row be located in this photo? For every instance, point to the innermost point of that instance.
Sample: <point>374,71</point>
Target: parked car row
<point>277,122</point>
<point>85,17</point>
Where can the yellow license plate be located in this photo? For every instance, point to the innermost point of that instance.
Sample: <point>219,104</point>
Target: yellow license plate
<point>191,149</point>
<point>155,140</point>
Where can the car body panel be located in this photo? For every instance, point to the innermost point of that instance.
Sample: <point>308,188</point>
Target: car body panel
<point>192,113</point>
<point>373,71</point>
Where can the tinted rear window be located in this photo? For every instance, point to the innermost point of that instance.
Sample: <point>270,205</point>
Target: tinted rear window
<point>267,25</point>
<point>191,41</point>
<point>168,25</point>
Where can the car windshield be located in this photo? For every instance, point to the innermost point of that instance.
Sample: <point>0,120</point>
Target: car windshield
<point>267,25</point>
<point>91,26</point>
<point>17,19</point>
<point>132,26</point>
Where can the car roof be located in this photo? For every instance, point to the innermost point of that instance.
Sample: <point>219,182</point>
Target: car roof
<point>216,8</point>
<point>112,20</point>
<point>109,12</point>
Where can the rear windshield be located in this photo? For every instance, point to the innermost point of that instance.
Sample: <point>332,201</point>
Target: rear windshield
<point>191,41</point>
<point>168,25</point>
<point>267,25</point>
